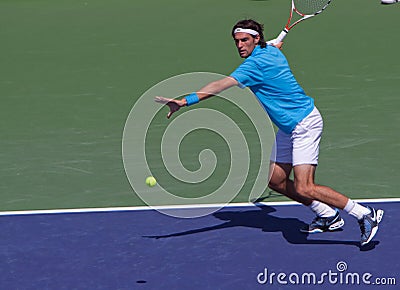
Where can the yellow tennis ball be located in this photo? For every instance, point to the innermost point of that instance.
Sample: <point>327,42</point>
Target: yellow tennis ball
<point>151,181</point>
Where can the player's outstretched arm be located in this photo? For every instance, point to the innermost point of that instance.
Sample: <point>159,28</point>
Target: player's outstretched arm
<point>207,91</point>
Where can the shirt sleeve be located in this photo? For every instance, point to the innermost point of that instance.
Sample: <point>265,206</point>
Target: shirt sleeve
<point>247,74</point>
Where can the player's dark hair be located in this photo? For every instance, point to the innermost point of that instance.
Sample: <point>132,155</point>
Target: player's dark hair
<point>251,24</point>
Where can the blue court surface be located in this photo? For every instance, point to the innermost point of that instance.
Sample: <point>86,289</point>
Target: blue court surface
<point>237,247</point>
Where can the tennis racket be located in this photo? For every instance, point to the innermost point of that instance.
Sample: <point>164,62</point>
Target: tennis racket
<point>305,9</point>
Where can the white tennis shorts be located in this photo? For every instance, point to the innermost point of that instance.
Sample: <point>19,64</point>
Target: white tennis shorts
<point>302,145</point>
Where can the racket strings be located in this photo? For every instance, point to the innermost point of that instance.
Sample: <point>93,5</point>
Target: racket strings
<point>309,7</point>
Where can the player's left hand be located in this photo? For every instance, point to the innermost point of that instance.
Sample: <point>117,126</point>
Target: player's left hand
<point>174,105</point>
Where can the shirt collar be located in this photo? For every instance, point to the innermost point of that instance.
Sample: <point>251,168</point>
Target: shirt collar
<point>255,50</point>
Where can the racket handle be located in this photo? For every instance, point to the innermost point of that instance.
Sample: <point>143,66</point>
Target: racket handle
<point>281,35</point>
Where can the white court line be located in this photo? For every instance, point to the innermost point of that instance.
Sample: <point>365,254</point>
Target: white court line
<point>172,207</point>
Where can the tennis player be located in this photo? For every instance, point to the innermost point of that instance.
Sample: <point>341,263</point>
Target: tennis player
<point>266,72</point>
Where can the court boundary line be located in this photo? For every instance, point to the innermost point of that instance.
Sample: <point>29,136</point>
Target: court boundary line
<point>169,207</point>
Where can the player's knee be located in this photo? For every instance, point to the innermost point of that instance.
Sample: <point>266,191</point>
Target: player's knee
<point>277,184</point>
<point>305,190</point>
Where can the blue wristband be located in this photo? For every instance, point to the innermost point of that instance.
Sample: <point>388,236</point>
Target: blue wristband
<point>192,99</point>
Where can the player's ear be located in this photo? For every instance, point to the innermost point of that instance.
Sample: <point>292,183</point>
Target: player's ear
<point>257,39</point>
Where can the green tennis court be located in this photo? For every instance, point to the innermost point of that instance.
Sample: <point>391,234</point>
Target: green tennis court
<point>72,70</point>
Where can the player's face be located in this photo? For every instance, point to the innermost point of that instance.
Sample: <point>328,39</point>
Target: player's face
<point>245,43</point>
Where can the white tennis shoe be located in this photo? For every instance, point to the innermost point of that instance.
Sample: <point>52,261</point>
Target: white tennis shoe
<point>389,1</point>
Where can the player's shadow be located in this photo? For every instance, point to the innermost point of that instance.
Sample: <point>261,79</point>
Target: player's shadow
<point>261,219</point>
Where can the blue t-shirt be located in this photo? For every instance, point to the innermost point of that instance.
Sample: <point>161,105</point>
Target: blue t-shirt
<point>267,73</point>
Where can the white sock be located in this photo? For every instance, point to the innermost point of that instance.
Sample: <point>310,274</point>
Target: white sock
<point>356,210</point>
<point>322,209</point>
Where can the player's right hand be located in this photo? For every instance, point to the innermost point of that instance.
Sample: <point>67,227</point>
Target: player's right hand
<point>174,105</point>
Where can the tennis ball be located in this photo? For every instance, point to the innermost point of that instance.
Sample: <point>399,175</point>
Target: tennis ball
<point>151,181</point>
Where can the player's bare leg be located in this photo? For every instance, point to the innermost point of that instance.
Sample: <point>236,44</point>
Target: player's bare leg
<point>327,219</point>
<point>280,182</point>
<point>305,186</point>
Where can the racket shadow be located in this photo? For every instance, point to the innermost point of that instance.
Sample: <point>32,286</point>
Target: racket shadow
<point>260,218</point>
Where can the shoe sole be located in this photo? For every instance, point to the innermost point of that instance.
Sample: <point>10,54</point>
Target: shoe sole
<point>333,227</point>
<point>379,216</point>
